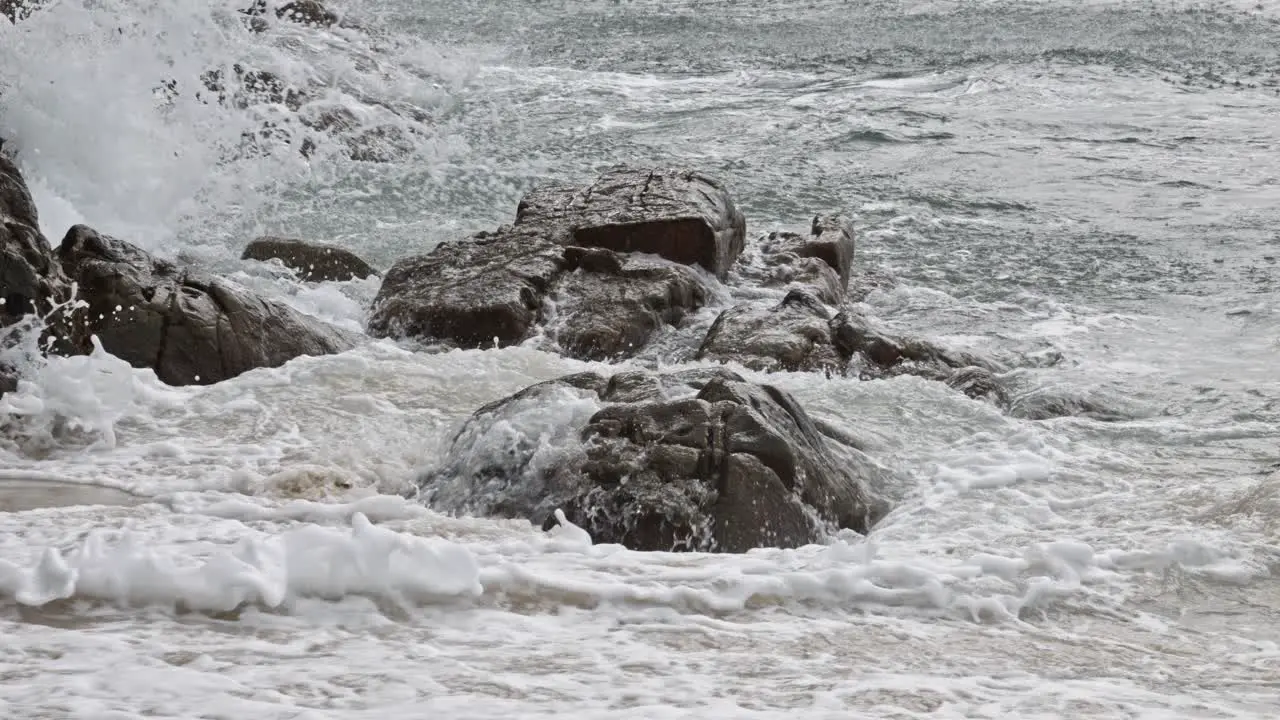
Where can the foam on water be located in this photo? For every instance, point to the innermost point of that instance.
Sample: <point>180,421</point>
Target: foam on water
<point>1094,566</point>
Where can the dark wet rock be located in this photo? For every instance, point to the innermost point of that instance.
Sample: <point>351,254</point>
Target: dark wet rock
<point>978,383</point>
<point>821,261</point>
<point>380,144</point>
<point>471,293</point>
<point>499,287</point>
<point>189,327</point>
<point>247,87</point>
<point>18,10</point>
<point>681,215</point>
<point>307,12</point>
<point>610,304</point>
<point>794,335</point>
<point>886,353</point>
<point>695,460</point>
<point>580,257</point>
<point>31,279</point>
<point>802,334</point>
<point>312,261</point>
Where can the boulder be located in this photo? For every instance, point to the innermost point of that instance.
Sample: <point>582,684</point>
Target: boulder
<point>307,12</point>
<point>31,280</point>
<point>882,353</point>
<point>500,287</point>
<point>802,334</point>
<point>821,261</point>
<point>473,293</point>
<point>18,10</point>
<point>696,460</point>
<point>312,261</point>
<point>609,304</point>
<point>189,327</point>
<point>794,335</point>
<point>607,266</point>
<point>681,215</point>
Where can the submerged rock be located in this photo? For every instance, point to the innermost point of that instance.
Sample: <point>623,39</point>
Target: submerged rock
<point>307,12</point>
<point>681,215</point>
<point>19,10</point>
<point>189,327</point>
<point>802,334</point>
<point>794,335</point>
<point>821,261</point>
<point>312,261</point>
<point>694,460</point>
<point>572,259</point>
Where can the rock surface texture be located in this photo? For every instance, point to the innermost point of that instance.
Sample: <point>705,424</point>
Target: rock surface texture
<point>189,327</point>
<point>312,261</point>
<point>31,279</point>
<point>605,267</point>
<point>694,460</point>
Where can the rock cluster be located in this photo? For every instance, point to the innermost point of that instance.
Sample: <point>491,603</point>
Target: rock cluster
<point>697,459</point>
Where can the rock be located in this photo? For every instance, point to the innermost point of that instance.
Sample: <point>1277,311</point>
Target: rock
<point>19,10</point>
<point>886,354</point>
<point>794,335</point>
<point>307,12</point>
<point>979,384</point>
<point>31,280</point>
<point>472,293</point>
<point>801,334</point>
<point>611,304</point>
<point>696,460</point>
<point>249,87</point>
<point>680,215</point>
<point>498,286</point>
<point>578,247</point>
<point>189,327</point>
<point>312,261</point>
<point>821,260</point>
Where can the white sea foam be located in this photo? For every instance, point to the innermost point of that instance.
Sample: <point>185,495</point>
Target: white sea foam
<point>273,568</point>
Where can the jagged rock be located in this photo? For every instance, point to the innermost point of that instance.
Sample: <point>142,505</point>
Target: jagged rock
<point>19,10</point>
<point>978,383</point>
<point>303,12</point>
<point>471,293</point>
<point>794,335</point>
<point>678,214</point>
<point>307,12</point>
<point>31,280</point>
<point>695,460</point>
<point>821,260</point>
<point>884,353</point>
<point>610,304</point>
<point>312,261</point>
<point>189,327</point>
<point>249,87</point>
<point>607,302</point>
<point>801,334</point>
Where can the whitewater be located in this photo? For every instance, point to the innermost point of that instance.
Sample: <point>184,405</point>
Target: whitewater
<point>1088,185</point>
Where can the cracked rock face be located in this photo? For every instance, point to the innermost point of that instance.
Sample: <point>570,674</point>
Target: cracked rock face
<point>604,267</point>
<point>681,215</point>
<point>189,327</point>
<point>692,460</point>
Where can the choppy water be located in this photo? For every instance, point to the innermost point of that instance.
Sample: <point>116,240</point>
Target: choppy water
<point>1088,182</point>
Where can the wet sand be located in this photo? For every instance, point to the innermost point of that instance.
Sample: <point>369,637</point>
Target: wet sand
<point>20,495</point>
